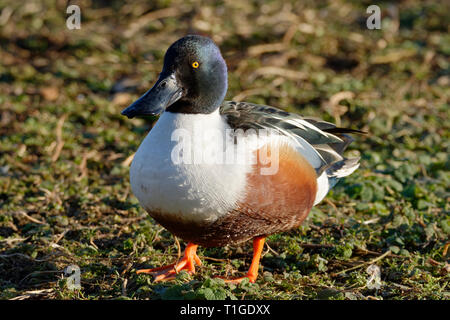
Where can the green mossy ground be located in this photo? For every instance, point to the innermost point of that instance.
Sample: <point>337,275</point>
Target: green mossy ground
<point>64,190</point>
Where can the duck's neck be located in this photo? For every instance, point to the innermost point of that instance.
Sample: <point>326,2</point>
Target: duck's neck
<point>198,106</point>
<point>198,123</point>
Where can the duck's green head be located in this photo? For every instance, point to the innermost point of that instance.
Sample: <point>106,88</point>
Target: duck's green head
<point>193,80</point>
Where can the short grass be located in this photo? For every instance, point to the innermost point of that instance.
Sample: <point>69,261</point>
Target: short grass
<point>64,147</point>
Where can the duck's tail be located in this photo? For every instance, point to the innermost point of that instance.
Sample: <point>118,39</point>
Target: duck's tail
<point>338,166</point>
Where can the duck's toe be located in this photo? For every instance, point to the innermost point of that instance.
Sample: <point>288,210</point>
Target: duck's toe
<point>170,271</point>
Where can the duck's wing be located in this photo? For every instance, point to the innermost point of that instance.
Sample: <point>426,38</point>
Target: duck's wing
<point>321,142</point>
<point>246,115</point>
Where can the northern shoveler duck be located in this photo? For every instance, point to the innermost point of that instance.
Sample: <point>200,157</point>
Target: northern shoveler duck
<point>216,203</point>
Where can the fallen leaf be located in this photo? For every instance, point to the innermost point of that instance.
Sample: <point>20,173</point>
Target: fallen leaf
<point>50,93</point>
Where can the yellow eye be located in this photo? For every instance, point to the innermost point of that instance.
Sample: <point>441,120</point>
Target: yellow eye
<point>195,64</point>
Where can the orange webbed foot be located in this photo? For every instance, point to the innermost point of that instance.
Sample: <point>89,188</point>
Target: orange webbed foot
<point>170,271</point>
<point>251,278</point>
<point>252,274</point>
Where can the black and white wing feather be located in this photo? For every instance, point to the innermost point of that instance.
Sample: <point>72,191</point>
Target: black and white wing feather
<point>327,140</point>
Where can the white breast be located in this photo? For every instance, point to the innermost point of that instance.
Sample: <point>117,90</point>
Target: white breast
<point>199,190</point>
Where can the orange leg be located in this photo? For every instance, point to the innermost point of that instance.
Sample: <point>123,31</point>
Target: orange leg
<point>169,272</point>
<point>252,274</point>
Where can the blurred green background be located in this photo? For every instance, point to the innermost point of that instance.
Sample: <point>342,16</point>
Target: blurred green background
<point>65,149</point>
